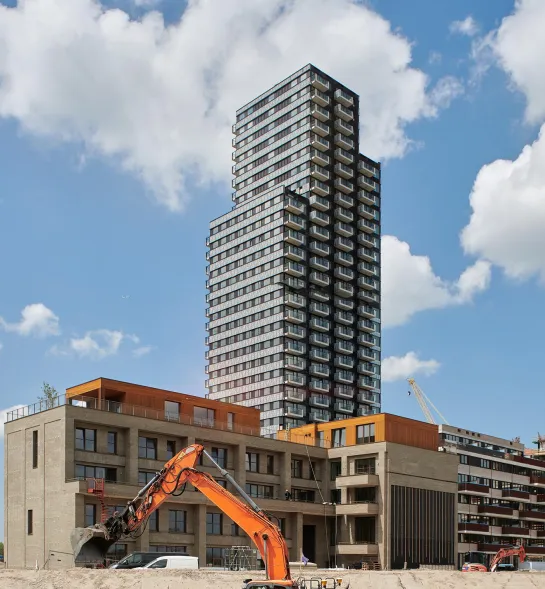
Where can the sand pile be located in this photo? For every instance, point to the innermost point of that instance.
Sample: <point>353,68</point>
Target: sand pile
<point>160,579</point>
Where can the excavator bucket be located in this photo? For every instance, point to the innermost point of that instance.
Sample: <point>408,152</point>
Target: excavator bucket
<point>90,545</point>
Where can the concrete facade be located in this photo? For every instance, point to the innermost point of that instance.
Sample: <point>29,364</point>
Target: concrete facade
<point>343,508</point>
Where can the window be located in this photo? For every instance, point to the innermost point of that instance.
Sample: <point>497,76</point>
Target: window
<point>214,523</point>
<point>90,514</point>
<point>147,448</point>
<point>339,437</point>
<point>336,496</point>
<point>252,462</point>
<point>214,556</point>
<point>282,525</point>
<point>365,434</point>
<point>112,442</point>
<point>305,495</point>
<point>222,483</point>
<point>231,421</point>
<point>364,466</point>
<point>296,468</point>
<point>270,464</point>
<point>29,522</point>
<point>259,491</point>
<point>321,439</point>
<point>83,471</point>
<point>160,564</point>
<point>35,449</point>
<point>171,449</point>
<point>335,469</point>
<point>144,477</point>
<point>203,416</point>
<point>117,551</point>
<point>163,548</point>
<point>235,530</point>
<point>86,439</point>
<point>111,509</point>
<point>176,521</point>
<point>153,521</point>
<point>220,456</point>
<point>463,458</point>
<point>172,411</point>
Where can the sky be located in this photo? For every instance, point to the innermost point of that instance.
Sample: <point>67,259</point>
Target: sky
<point>115,153</point>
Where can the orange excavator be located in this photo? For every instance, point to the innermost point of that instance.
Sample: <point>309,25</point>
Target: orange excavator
<point>474,567</point>
<point>92,543</point>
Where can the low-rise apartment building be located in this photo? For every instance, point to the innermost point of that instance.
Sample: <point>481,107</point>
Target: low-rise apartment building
<point>501,494</point>
<point>371,489</point>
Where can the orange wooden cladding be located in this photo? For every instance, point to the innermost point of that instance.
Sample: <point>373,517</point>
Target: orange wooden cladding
<point>388,428</point>
<point>152,398</point>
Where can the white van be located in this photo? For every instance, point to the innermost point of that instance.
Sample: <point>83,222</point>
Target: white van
<point>176,561</point>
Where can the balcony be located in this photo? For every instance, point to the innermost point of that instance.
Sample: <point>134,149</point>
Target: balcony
<point>368,240</point>
<point>344,362</point>
<point>320,309</point>
<point>319,217</point>
<point>344,229</point>
<point>319,278</point>
<point>365,411</point>
<point>319,172</point>
<point>367,383</point>
<point>367,325</point>
<point>344,258</point>
<point>344,347</point>
<point>368,226</point>
<point>473,489</point>
<point>295,300</point>
<point>344,98</point>
<point>516,495</point>
<point>473,528</point>
<point>537,480</point>
<point>344,407</point>
<point>367,311</point>
<point>343,141</point>
<point>319,355</point>
<point>345,304</point>
<point>297,411</point>
<point>295,253</point>
<point>319,82</point>
<point>319,294</point>
<point>294,222</point>
<point>294,316</point>
<point>319,232</point>
<point>319,401</point>
<point>294,237</point>
<point>294,206</point>
<point>367,369</point>
<point>514,531</point>
<point>319,202</point>
<point>294,269</point>
<point>295,283</point>
<point>344,392</point>
<point>295,331</point>
<point>295,395</point>
<point>319,416</point>
<point>343,127</point>
<point>320,129</point>
<point>344,215</point>
<point>318,247</point>
<point>320,324</point>
<point>320,370</point>
<point>368,269</point>
<point>344,113</point>
<point>367,183</point>
<point>319,158</point>
<point>319,187</point>
<point>344,185</point>
<point>493,510</point>
<point>319,339</point>
<point>344,244</point>
<point>366,397</point>
<point>344,332</point>
<point>344,317</point>
<point>366,339</point>
<point>344,289</point>
<point>368,212</point>
<point>320,113</point>
<point>368,254</point>
<point>294,378</point>
<point>319,142</point>
<point>344,171</point>
<point>294,347</point>
<point>319,385</point>
<point>367,169</point>
<point>368,283</point>
<point>345,377</point>
<point>319,97</point>
<point>344,156</point>
<point>344,200</point>
<point>294,363</point>
<point>344,273</point>
<point>532,515</point>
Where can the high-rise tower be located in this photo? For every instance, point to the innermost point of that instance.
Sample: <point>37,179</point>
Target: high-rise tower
<point>294,267</point>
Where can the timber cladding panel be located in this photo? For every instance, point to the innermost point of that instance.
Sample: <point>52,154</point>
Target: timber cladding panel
<point>422,527</point>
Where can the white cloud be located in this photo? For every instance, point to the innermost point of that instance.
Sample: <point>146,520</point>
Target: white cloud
<point>161,100</point>
<point>142,351</point>
<point>3,417</point>
<point>468,26</point>
<point>401,367</point>
<point>36,320</point>
<point>409,284</point>
<point>507,224</point>
<point>446,90</point>
<point>98,344</point>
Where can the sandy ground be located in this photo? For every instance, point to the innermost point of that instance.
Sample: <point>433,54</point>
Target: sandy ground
<point>111,579</point>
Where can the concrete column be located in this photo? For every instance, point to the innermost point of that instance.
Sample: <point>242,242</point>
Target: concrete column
<point>344,466</point>
<point>142,542</point>
<point>131,451</point>
<point>297,524</point>
<point>199,530</point>
<point>239,464</point>
<point>284,470</point>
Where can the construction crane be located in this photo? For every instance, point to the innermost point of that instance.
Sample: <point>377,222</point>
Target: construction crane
<point>421,397</point>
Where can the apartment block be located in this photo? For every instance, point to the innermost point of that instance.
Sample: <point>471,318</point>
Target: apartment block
<point>501,494</point>
<point>294,267</point>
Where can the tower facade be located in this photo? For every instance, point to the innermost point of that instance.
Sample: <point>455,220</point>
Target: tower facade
<point>294,267</point>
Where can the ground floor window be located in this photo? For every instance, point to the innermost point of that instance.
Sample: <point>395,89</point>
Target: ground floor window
<point>214,556</point>
<point>164,548</point>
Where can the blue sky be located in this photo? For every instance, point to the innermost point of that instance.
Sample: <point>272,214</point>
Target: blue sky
<point>114,156</point>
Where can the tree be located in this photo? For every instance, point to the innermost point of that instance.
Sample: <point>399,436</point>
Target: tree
<point>1,548</point>
<point>50,395</point>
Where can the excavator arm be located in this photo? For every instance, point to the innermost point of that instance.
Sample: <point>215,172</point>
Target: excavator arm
<point>504,553</point>
<point>92,543</point>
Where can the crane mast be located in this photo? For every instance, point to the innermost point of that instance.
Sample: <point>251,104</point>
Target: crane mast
<point>423,401</point>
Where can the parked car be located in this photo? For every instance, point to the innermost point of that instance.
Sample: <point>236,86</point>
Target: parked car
<point>137,560</point>
<point>173,561</point>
